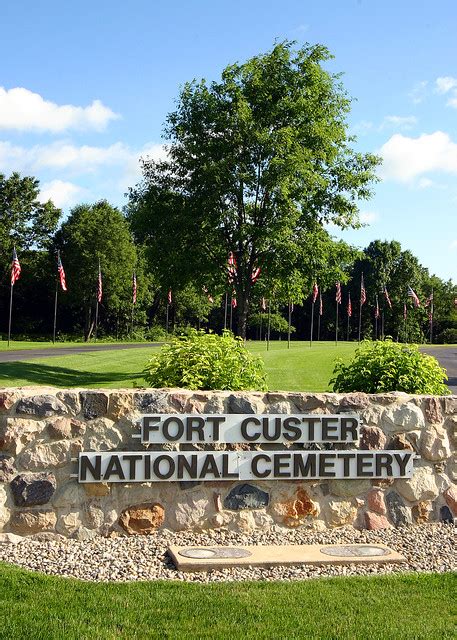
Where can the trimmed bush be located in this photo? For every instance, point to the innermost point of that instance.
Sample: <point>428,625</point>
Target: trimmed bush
<point>202,360</point>
<point>388,366</point>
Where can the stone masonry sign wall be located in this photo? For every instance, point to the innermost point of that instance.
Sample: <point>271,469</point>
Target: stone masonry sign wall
<point>83,463</point>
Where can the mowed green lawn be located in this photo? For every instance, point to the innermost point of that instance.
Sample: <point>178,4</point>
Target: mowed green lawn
<point>406,607</point>
<point>300,368</point>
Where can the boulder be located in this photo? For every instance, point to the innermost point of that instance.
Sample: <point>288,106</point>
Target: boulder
<point>44,456</point>
<point>375,521</point>
<point>424,485</point>
<point>349,488</point>
<point>398,512</point>
<point>375,501</point>
<point>142,519</point>
<point>403,417</point>
<point>42,406</point>
<point>246,496</point>
<point>432,410</point>
<point>29,522</point>
<point>30,489</point>
<point>340,512</point>
<point>450,495</point>
<point>296,509</point>
<point>434,444</point>
<point>372,438</point>
<point>7,468</point>
<point>94,404</point>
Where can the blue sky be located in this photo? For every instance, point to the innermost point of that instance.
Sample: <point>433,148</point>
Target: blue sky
<point>85,88</point>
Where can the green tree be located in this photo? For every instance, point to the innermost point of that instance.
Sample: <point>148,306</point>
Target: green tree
<point>95,234</point>
<point>254,160</point>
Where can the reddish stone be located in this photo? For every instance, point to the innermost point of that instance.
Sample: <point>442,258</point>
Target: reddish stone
<point>432,410</point>
<point>142,519</point>
<point>382,482</point>
<point>399,442</point>
<point>375,521</point>
<point>6,401</point>
<point>450,495</point>
<point>298,507</point>
<point>372,438</point>
<point>421,512</point>
<point>375,501</point>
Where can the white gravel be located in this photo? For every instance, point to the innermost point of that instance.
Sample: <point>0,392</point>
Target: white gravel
<point>428,548</point>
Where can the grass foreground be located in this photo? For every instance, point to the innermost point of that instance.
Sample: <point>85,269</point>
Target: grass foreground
<point>403,606</point>
<point>300,368</point>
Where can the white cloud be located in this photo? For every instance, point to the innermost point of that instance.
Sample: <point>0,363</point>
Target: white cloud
<point>445,84</point>
<point>399,122</point>
<point>419,91</point>
<point>408,158</point>
<point>453,245</point>
<point>452,102</point>
<point>425,183</point>
<point>23,110</point>
<point>62,194</point>
<point>368,217</point>
<point>362,127</point>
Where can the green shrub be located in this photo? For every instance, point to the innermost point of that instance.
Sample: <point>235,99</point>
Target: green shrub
<point>202,360</point>
<point>389,366</point>
<point>448,336</point>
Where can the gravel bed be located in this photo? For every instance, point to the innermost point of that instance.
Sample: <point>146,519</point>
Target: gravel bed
<point>428,548</point>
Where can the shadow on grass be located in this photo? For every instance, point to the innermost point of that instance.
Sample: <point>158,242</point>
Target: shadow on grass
<point>48,374</point>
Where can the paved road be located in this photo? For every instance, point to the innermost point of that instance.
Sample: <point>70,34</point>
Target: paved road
<point>447,357</point>
<point>46,352</point>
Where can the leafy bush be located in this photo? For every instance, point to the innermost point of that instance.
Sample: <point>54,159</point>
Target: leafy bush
<point>389,366</point>
<point>448,336</point>
<point>278,324</point>
<point>202,360</point>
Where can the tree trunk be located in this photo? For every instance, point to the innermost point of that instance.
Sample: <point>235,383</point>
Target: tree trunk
<point>243,310</point>
<point>89,324</point>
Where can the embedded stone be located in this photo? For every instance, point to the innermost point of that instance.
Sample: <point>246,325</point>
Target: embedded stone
<point>193,511</point>
<point>423,485</point>
<point>30,522</point>
<point>4,511</point>
<point>450,495</point>
<point>371,415</point>
<point>446,515</point>
<point>450,405</point>
<point>60,429</point>
<point>7,400</point>
<point>434,444</point>
<point>146,402</point>
<point>340,512</point>
<point>78,428</point>
<point>102,435</point>
<point>295,510</point>
<point>7,468</point>
<point>246,496</point>
<point>42,406</point>
<point>432,410</point>
<point>10,538</point>
<point>30,489</point>
<point>97,489</point>
<point>354,402</point>
<point>43,456</point>
<point>400,443</point>
<point>349,488</point>
<point>94,404</point>
<point>15,433</point>
<point>451,468</point>
<point>404,417</point>
<point>71,400</point>
<point>69,495</point>
<point>142,519</point>
<point>375,521</point>
<point>238,404</point>
<point>215,404</point>
<point>372,438</point>
<point>120,404</point>
<point>421,512</point>
<point>68,523</point>
<point>375,501</point>
<point>397,510</point>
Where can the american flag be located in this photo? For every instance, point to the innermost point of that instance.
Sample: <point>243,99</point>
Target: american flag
<point>405,312</point>
<point>134,288</point>
<point>386,295</point>
<point>315,292</point>
<point>210,297</point>
<point>234,302</point>
<point>99,285</point>
<point>170,299</point>
<point>231,267</point>
<point>321,308</point>
<point>291,307</point>
<point>61,272</point>
<point>376,311</point>
<point>363,293</point>
<point>255,275</point>
<point>263,304</point>
<point>413,295</point>
<point>429,300</point>
<point>15,268</point>
<point>349,306</point>
<point>338,293</point>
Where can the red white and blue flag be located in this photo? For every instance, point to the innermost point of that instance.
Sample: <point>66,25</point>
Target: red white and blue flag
<point>170,298</point>
<point>321,308</point>
<point>255,275</point>
<point>338,293</point>
<point>15,268</point>
<point>315,292</point>
<point>376,311</point>
<point>99,285</point>
<point>412,294</point>
<point>363,293</point>
<point>387,297</point>
<point>231,267</point>
<point>234,302</point>
<point>61,273</point>
<point>134,288</point>
<point>349,306</point>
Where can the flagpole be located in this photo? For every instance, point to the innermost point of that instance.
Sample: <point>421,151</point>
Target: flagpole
<point>376,327</point>
<point>382,323</point>
<point>336,326</point>
<point>231,315</point>
<point>312,324</point>
<point>269,325</point>
<point>347,332</point>
<point>225,312</point>
<point>131,330</point>
<point>431,318</point>
<point>288,328</point>
<point>319,318</point>
<point>55,312</point>
<point>11,306</point>
<point>166,323</point>
<point>96,319</point>
<point>260,326</point>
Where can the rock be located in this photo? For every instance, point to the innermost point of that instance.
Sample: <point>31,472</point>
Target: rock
<point>10,538</point>
<point>7,468</point>
<point>60,429</point>
<point>246,496</point>
<point>375,521</point>
<point>189,484</point>
<point>432,410</point>
<point>97,489</point>
<point>156,402</point>
<point>371,415</point>
<point>16,433</point>
<point>29,522</point>
<point>421,512</point>
<point>340,512</point>
<point>42,406</point>
<point>78,428</point>
<point>142,519</point>
<point>193,511</point>
<point>451,468</point>
<point>400,443</point>
<point>102,435</point>
<point>349,488</point>
<point>434,444</point>
<point>422,486</point>
<point>446,515</point>
<point>240,404</point>
<point>404,417</point>
<point>94,404</point>
<point>4,511</point>
<point>7,400</point>
<point>450,495</point>
<point>375,501</point>
<point>372,438</point>
<point>294,511</point>
<point>71,400</point>
<point>120,405</point>
<point>68,523</point>
<point>215,404</point>
<point>30,489</point>
<point>398,512</point>
<point>70,494</point>
<point>354,402</point>
<point>450,405</point>
<point>44,456</point>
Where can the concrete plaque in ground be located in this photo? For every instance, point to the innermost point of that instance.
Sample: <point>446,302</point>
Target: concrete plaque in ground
<point>206,558</point>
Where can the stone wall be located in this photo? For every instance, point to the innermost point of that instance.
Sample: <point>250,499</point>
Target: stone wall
<point>42,429</point>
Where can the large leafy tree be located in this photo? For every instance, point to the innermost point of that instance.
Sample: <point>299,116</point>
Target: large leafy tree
<point>253,159</point>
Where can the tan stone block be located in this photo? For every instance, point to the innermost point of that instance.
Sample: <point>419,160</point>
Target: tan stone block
<point>404,417</point>
<point>28,522</point>
<point>120,404</point>
<point>340,512</point>
<point>295,510</point>
<point>68,523</point>
<point>97,489</point>
<point>434,444</point>
<point>424,485</point>
<point>349,488</point>
<point>102,435</point>
<point>421,512</point>
<point>45,456</point>
<point>142,519</point>
<point>16,433</point>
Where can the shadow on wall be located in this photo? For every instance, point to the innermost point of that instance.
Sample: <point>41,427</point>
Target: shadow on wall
<point>48,374</point>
